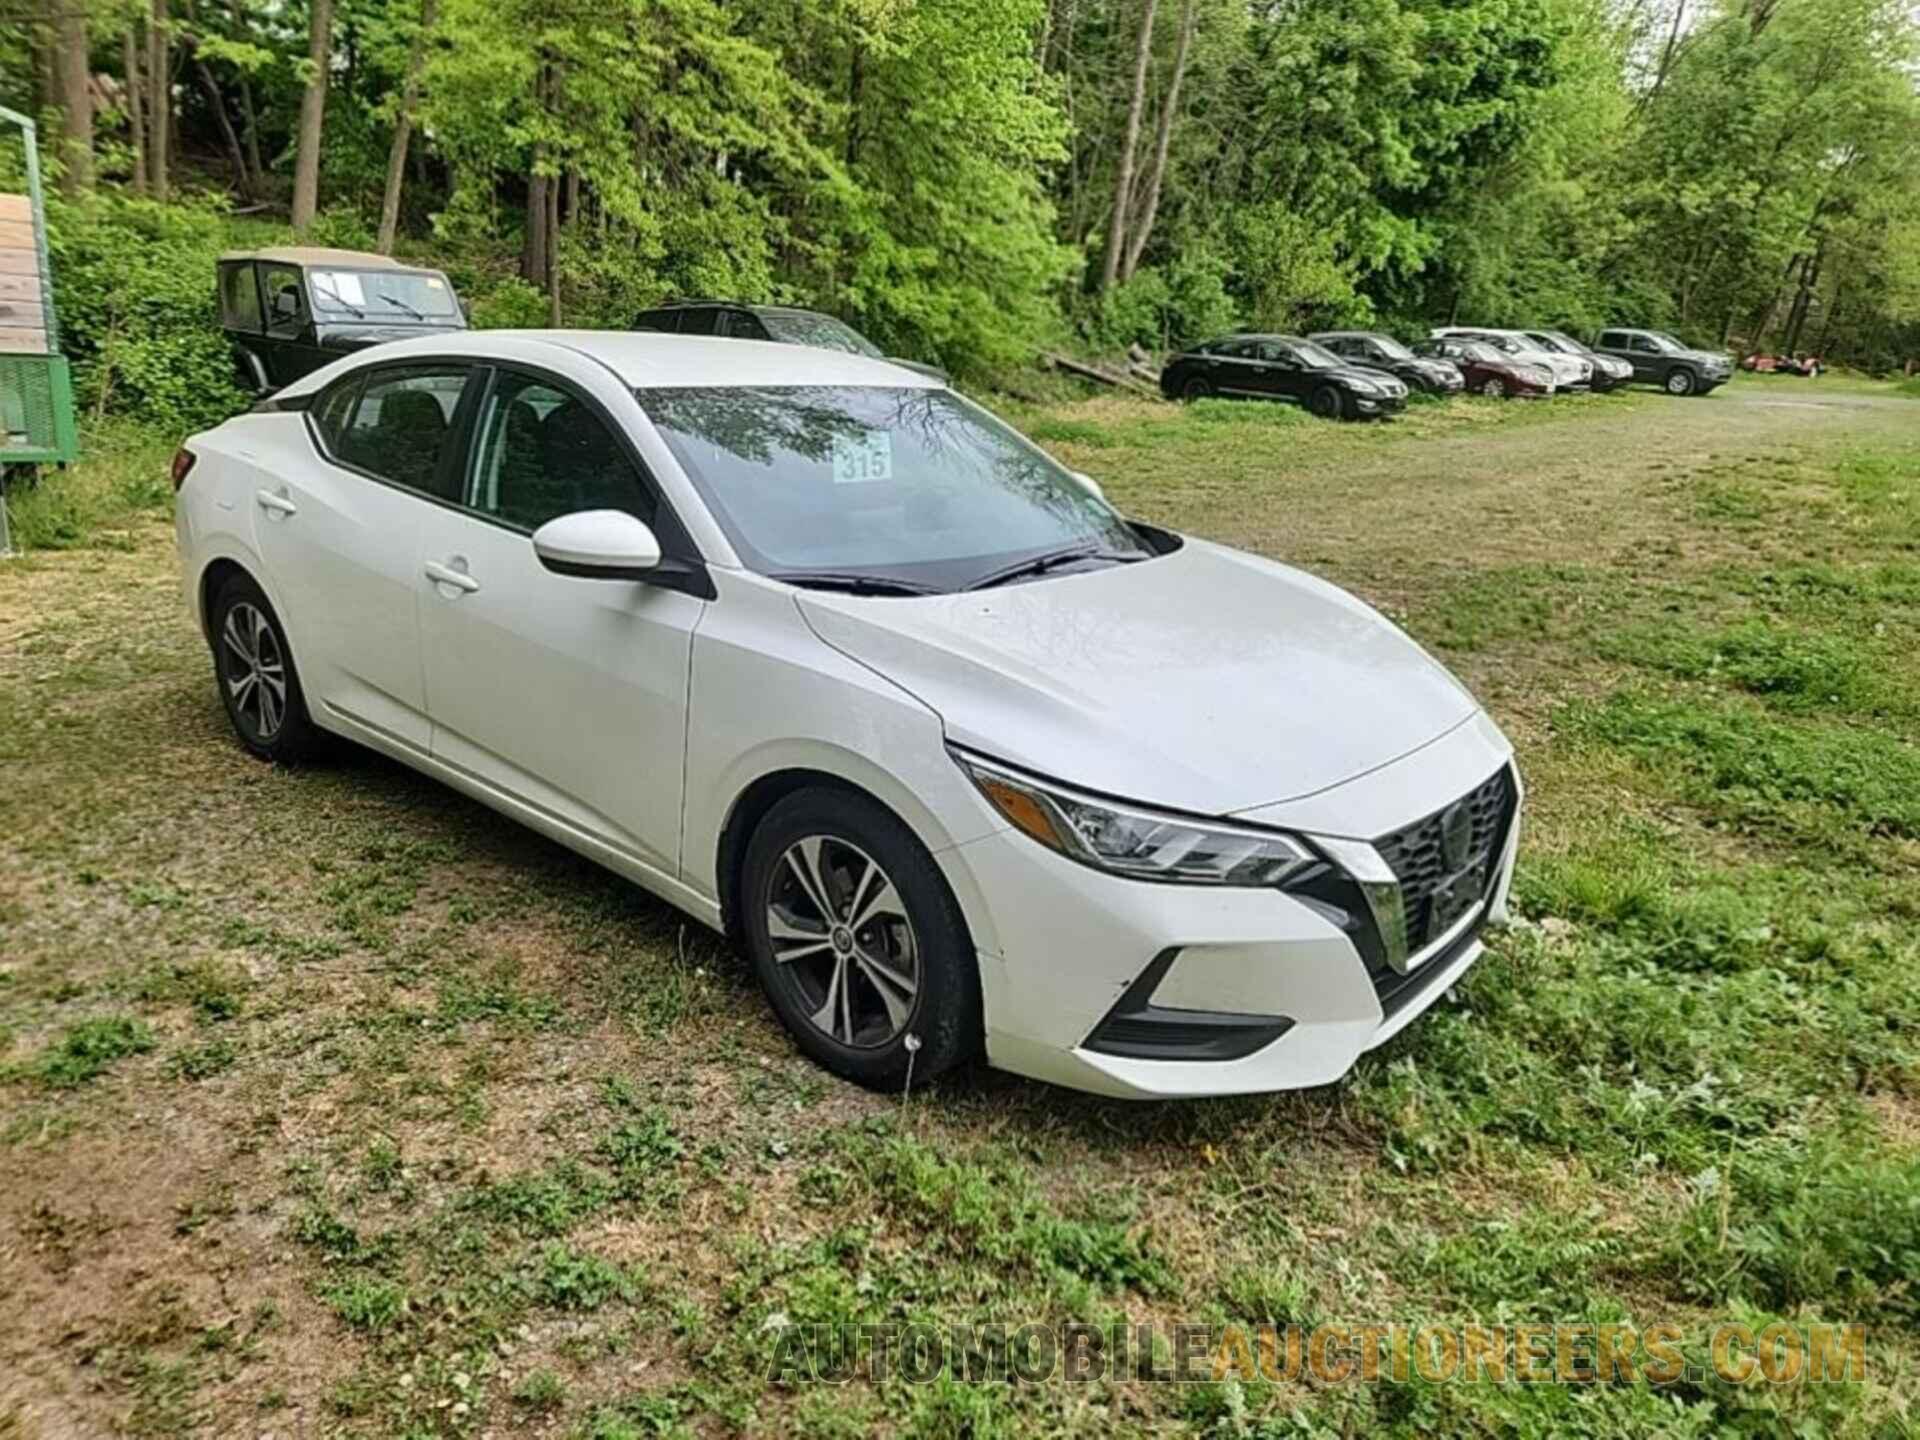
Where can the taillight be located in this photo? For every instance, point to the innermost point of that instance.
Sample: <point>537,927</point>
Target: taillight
<point>183,459</point>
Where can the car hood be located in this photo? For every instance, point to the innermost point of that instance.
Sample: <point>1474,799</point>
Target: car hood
<point>1371,374</point>
<point>1706,357</point>
<point>1204,680</point>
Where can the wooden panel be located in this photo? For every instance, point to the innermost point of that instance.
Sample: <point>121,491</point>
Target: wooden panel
<point>16,234</point>
<point>22,342</point>
<point>19,289</point>
<point>19,262</point>
<point>16,209</point>
<point>18,315</point>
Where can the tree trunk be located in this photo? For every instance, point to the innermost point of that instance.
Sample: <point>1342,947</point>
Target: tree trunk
<point>136,104</point>
<point>76,97</point>
<point>403,128</point>
<point>553,253</point>
<point>533,250</point>
<point>1169,111</point>
<point>243,30</point>
<point>159,99</point>
<point>1123,180</point>
<point>313,115</point>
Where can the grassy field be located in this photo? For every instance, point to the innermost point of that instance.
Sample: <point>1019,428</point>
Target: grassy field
<point>331,1103</point>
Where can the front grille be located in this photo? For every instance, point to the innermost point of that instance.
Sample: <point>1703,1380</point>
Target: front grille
<point>1416,852</point>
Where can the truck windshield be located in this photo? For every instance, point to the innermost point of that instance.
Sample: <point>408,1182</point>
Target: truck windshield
<point>388,295</point>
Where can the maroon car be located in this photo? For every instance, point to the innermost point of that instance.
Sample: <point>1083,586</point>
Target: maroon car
<point>1489,370</point>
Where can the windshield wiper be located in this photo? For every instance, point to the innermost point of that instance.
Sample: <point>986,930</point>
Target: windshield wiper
<point>853,584</point>
<point>402,305</point>
<point>334,295</point>
<point>1041,564</point>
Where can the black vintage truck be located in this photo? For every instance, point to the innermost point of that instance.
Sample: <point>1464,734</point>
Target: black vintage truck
<point>289,311</point>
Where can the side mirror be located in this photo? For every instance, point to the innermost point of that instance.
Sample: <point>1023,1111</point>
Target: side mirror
<point>286,303</point>
<point>1092,485</point>
<point>598,545</point>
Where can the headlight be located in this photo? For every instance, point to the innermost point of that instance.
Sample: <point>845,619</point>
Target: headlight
<point>1137,843</point>
<point>1363,387</point>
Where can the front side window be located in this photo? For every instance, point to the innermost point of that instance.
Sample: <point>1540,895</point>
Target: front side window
<point>912,485</point>
<point>400,296</point>
<point>401,423</point>
<point>544,453</point>
<point>285,305</point>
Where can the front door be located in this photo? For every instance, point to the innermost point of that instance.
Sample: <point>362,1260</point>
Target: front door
<point>1282,374</point>
<point>340,535</point>
<point>291,348</point>
<point>569,695</point>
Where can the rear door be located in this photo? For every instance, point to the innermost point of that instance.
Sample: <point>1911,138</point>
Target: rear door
<point>568,695</point>
<point>1234,368</point>
<point>340,538</point>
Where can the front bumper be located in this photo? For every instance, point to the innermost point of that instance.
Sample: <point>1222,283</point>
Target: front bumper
<point>1089,964</point>
<point>1379,404</point>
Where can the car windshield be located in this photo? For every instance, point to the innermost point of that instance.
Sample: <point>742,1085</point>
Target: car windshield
<point>823,332</point>
<point>1314,357</point>
<point>909,485</point>
<point>1567,343</point>
<point>1663,341</point>
<point>401,295</point>
<point>1480,350</point>
<point>1392,348</point>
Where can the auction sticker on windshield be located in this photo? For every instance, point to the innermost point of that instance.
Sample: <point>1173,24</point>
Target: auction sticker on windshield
<point>858,459</point>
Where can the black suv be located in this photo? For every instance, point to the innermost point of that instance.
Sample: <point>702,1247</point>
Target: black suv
<point>288,311</point>
<point>1282,367</point>
<point>784,324</point>
<point>1376,351</point>
<point>1659,359</point>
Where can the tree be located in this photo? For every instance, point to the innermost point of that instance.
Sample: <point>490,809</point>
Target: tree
<point>75,77</point>
<point>1129,143</point>
<point>313,114</point>
<point>403,127</point>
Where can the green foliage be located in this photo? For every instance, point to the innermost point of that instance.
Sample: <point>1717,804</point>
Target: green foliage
<point>89,1048</point>
<point>137,311</point>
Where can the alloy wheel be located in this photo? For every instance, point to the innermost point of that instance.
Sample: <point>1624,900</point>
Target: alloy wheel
<point>843,942</point>
<point>253,670</point>
<point>1679,382</point>
<point>1492,389</point>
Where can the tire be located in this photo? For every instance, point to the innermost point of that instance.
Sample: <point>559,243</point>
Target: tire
<point>1327,404</point>
<point>1680,382</point>
<point>1197,388</point>
<point>249,651</point>
<point>839,984</point>
<point>1495,389</point>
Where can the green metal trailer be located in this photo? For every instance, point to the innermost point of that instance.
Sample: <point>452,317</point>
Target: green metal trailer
<point>36,389</point>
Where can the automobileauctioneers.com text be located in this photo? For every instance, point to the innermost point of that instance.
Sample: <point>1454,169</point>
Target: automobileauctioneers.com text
<point>1543,1354</point>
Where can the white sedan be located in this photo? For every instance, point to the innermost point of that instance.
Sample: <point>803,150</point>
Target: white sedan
<point>809,646</point>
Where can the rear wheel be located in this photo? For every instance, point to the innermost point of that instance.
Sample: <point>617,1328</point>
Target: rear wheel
<point>1680,382</point>
<point>254,667</point>
<point>858,942</point>
<point>1196,388</point>
<point>1326,403</point>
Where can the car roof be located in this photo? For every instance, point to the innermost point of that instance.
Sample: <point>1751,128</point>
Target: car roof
<point>649,360</point>
<point>320,255</point>
<point>753,306</point>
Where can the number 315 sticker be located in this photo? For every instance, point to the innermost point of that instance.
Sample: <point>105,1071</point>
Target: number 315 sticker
<point>862,458</point>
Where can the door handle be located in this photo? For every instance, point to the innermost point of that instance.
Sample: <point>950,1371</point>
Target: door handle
<point>275,504</point>
<point>447,575</point>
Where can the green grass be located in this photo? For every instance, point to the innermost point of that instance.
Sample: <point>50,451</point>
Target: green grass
<point>503,1144</point>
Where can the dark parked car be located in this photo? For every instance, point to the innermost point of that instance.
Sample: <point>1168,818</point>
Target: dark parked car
<point>1608,373</point>
<point>782,323</point>
<point>1489,370</point>
<point>287,312</point>
<point>1659,359</point>
<point>1282,367</point>
<point>1382,352</point>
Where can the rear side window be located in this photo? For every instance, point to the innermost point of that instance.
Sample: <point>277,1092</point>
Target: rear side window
<point>399,425</point>
<point>330,412</point>
<point>665,321</point>
<point>239,298</point>
<point>697,320</point>
<point>545,453</point>
<point>1613,340</point>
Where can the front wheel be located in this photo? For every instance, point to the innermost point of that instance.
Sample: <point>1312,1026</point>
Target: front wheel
<point>254,668</point>
<point>1493,389</point>
<point>858,942</point>
<point>1680,382</point>
<point>1326,403</point>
